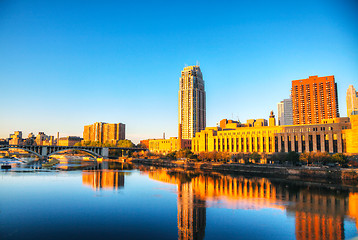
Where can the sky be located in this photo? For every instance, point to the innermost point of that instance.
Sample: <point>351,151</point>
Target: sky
<point>66,64</point>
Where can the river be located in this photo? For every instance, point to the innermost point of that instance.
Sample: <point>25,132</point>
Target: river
<point>88,200</point>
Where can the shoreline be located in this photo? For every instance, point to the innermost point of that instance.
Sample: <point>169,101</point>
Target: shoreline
<point>313,175</point>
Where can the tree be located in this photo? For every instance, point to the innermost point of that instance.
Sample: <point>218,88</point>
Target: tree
<point>322,157</point>
<point>171,155</point>
<point>255,156</point>
<point>224,156</point>
<point>293,157</point>
<point>308,157</point>
<point>125,143</point>
<point>280,157</point>
<point>340,158</point>
<point>202,156</point>
<point>140,145</point>
<point>246,158</point>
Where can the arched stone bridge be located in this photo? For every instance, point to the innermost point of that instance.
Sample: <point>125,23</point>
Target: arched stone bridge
<point>45,151</point>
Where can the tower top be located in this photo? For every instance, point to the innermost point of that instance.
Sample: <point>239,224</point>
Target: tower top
<point>272,119</point>
<point>271,114</point>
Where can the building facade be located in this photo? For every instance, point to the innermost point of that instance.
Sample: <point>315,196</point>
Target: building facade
<point>284,112</point>
<point>69,141</point>
<point>16,138</point>
<point>145,143</point>
<point>352,101</point>
<point>165,146</point>
<point>44,140</point>
<point>104,132</point>
<point>314,99</point>
<point>192,102</point>
<point>337,135</point>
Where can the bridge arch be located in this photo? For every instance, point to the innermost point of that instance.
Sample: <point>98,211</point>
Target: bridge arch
<point>93,154</point>
<point>24,149</point>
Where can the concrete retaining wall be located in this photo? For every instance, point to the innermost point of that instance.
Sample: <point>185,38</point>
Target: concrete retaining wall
<point>263,170</point>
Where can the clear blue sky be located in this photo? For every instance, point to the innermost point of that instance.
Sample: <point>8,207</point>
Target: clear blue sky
<point>66,64</point>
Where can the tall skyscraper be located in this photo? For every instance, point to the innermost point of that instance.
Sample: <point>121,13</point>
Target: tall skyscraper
<point>104,132</point>
<point>284,112</point>
<point>192,102</point>
<point>314,99</point>
<point>352,101</point>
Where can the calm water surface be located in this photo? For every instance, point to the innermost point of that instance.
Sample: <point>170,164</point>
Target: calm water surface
<point>84,200</point>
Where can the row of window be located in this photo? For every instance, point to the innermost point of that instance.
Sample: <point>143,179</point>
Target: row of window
<point>252,144</point>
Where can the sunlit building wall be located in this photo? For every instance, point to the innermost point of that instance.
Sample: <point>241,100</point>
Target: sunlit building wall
<point>351,136</point>
<point>44,140</point>
<point>284,112</point>
<point>352,101</point>
<point>16,138</point>
<point>104,132</point>
<point>337,135</point>
<point>68,141</point>
<point>165,146</point>
<point>314,99</point>
<point>192,102</point>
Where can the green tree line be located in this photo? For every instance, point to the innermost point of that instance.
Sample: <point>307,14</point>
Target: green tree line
<point>121,143</point>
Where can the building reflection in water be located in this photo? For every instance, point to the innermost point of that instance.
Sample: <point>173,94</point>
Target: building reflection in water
<point>319,212</point>
<point>191,213</point>
<point>191,208</point>
<point>106,175</point>
<point>103,179</point>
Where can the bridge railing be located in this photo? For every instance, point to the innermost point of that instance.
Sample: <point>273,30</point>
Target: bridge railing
<point>45,150</point>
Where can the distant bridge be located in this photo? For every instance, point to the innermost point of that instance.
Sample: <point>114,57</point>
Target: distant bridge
<point>45,151</point>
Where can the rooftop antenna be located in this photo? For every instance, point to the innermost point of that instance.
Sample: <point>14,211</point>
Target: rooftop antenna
<point>197,63</point>
<point>238,119</point>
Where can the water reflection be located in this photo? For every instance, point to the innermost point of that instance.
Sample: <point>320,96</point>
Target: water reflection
<point>191,213</point>
<point>314,211</point>
<point>104,179</point>
<point>107,175</point>
<point>319,212</point>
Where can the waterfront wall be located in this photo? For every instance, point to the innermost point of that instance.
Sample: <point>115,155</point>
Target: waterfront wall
<point>261,170</point>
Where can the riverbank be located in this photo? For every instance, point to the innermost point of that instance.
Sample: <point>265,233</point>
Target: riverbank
<point>263,170</point>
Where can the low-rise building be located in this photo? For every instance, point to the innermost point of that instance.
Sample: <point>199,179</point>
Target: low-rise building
<point>69,141</point>
<point>44,140</point>
<point>16,138</point>
<point>338,135</point>
<point>165,146</point>
<point>145,143</point>
<point>4,141</point>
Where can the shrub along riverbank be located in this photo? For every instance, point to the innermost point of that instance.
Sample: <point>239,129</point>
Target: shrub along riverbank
<point>263,170</point>
<point>290,158</point>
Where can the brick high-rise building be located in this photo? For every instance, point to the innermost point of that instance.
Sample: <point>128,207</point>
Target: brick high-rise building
<point>352,101</point>
<point>192,102</point>
<point>314,99</point>
<point>104,132</point>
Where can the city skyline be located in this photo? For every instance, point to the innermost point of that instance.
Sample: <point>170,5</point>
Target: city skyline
<point>81,71</point>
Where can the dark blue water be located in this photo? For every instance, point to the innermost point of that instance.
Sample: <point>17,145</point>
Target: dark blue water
<point>113,201</point>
